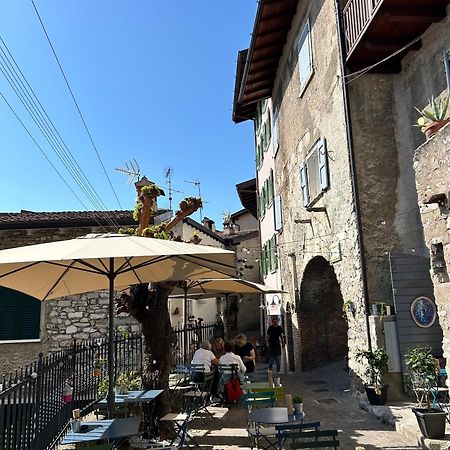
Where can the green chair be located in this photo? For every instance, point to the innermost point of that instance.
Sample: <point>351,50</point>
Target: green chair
<point>315,439</point>
<point>256,399</point>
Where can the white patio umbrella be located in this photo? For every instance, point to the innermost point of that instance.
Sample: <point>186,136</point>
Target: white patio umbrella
<point>205,288</point>
<point>107,261</point>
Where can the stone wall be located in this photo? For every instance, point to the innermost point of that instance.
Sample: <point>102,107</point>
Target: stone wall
<point>318,112</point>
<point>431,164</point>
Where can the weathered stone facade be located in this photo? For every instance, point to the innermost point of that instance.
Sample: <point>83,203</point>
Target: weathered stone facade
<point>432,167</point>
<point>329,229</point>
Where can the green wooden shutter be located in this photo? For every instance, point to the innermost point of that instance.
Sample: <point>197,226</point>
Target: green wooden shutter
<point>20,315</point>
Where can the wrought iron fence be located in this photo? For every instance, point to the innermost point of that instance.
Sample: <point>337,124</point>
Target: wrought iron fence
<point>36,401</point>
<point>196,332</point>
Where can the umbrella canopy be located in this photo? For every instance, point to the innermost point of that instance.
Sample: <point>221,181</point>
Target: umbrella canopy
<point>107,261</point>
<point>57,269</point>
<point>211,286</point>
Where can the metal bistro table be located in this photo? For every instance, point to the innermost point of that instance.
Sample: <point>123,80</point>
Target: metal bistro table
<point>100,430</point>
<point>145,397</point>
<point>270,416</point>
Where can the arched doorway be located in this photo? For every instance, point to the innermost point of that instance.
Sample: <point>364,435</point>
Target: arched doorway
<point>323,329</point>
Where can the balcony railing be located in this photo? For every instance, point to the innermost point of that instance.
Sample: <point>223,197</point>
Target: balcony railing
<point>357,15</point>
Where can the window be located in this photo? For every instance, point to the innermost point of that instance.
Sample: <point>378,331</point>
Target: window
<point>305,66</point>
<point>267,195</point>
<point>269,258</point>
<point>314,173</point>
<point>277,213</point>
<point>20,315</point>
<point>275,131</point>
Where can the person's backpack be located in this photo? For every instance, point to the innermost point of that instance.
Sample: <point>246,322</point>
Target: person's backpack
<point>233,390</point>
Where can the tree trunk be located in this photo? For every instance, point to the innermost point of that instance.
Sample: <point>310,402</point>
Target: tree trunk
<point>150,309</point>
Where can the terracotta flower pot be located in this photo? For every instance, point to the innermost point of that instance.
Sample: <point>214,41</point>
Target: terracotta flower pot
<point>433,127</point>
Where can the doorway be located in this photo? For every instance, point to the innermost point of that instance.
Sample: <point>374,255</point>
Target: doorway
<point>323,328</point>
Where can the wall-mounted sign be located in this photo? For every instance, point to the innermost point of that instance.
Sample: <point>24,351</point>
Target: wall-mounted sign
<point>423,311</point>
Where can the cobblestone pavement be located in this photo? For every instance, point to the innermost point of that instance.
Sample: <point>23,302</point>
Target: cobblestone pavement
<point>326,398</point>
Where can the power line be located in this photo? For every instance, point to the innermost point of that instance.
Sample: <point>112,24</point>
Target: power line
<point>47,158</point>
<point>42,120</point>
<point>76,103</point>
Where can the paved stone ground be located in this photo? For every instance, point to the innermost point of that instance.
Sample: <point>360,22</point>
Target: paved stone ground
<point>326,398</point>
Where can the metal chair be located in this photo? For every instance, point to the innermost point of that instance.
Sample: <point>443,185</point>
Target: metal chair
<point>255,399</point>
<point>286,432</point>
<point>315,439</point>
<point>200,399</point>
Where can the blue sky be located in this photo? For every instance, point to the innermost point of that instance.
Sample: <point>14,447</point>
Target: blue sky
<point>154,80</point>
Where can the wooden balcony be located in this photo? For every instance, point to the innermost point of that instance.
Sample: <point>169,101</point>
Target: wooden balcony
<point>375,29</point>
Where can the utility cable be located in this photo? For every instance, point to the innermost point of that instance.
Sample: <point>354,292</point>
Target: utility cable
<point>76,104</point>
<point>42,120</point>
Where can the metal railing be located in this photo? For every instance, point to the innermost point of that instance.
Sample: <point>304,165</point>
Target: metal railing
<point>36,402</point>
<point>196,332</point>
<point>357,15</point>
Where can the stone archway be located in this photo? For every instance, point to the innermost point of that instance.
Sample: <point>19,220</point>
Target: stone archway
<point>323,329</point>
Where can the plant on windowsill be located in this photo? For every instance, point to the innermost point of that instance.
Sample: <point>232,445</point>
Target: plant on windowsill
<point>423,373</point>
<point>433,119</point>
<point>376,364</point>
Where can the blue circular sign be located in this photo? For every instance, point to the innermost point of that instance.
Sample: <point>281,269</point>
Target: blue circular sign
<point>423,311</point>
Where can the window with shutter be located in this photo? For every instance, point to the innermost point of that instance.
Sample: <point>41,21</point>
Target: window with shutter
<point>274,253</point>
<point>20,315</point>
<point>305,65</point>
<point>304,184</point>
<point>275,131</point>
<point>277,213</point>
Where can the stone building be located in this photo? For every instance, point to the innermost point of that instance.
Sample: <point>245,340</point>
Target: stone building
<point>342,80</point>
<point>431,164</point>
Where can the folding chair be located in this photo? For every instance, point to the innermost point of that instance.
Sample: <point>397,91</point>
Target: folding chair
<point>226,372</point>
<point>179,423</point>
<point>315,439</point>
<point>254,399</point>
<point>285,432</point>
<point>200,399</point>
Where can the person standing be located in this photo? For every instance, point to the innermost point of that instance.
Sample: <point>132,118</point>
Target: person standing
<point>275,338</point>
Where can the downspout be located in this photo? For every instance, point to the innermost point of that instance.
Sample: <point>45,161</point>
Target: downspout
<point>351,153</point>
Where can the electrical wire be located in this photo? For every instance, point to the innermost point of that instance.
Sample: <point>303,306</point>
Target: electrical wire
<point>30,101</point>
<point>361,72</point>
<point>76,103</point>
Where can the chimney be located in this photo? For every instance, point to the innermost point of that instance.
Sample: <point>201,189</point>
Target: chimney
<point>208,223</point>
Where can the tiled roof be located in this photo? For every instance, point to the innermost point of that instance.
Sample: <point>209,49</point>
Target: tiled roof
<point>31,219</point>
<point>238,236</point>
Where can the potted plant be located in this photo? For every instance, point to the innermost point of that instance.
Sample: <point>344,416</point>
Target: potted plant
<point>376,361</point>
<point>433,119</point>
<point>423,372</point>
<point>98,366</point>
<point>297,400</point>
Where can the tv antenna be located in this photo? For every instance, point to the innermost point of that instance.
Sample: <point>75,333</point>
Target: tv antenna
<point>168,175</point>
<point>132,170</point>
<point>196,183</point>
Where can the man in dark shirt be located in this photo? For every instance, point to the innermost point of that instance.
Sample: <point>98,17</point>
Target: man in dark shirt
<point>275,338</point>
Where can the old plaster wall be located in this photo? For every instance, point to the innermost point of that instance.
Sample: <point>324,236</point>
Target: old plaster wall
<point>318,112</point>
<point>432,169</point>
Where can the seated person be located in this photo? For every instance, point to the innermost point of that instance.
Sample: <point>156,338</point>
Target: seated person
<point>218,349</point>
<point>246,351</point>
<point>231,358</point>
<point>204,356</point>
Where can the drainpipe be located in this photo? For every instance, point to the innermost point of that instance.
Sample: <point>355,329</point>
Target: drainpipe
<point>351,152</point>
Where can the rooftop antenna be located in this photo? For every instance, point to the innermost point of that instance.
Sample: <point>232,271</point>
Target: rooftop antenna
<point>196,183</point>
<point>132,170</point>
<point>168,175</point>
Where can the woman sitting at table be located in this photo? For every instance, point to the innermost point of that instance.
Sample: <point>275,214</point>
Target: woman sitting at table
<point>206,357</point>
<point>217,348</point>
<point>246,351</point>
<point>231,358</point>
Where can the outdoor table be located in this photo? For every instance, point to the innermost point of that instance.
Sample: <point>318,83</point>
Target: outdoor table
<point>135,397</point>
<point>100,430</point>
<point>255,385</point>
<point>270,416</point>
<point>274,416</point>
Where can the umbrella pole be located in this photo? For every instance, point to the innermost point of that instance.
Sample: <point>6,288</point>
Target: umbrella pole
<point>185,333</point>
<point>111,341</point>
